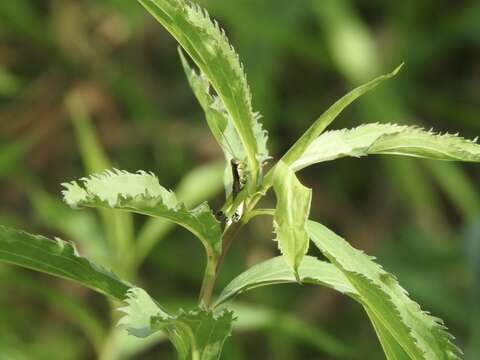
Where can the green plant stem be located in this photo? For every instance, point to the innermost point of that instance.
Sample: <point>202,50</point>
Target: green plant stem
<point>209,279</point>
<point>208,283</point>
<point>213,267</point>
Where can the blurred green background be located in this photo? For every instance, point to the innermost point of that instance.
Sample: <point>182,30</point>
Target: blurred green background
<point>89,84</point>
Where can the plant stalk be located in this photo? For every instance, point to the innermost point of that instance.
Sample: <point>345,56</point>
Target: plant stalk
<point>214,264</point>
<point>208,283</point>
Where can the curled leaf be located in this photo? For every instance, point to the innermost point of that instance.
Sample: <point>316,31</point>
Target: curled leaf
<point>291,215</point>
<point>141,193</point>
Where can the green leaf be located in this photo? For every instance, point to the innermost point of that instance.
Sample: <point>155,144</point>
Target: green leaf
<point>394,314</point>
<point>138,312</point>
<point>198,185</point>
<point>10,83</point>
<point>276,271</point>
<point>206,43</point>
<point>58,258</point>
<point>387,139</point>
<point>391,348</point>
<point>291,215</point>
<point>141,193</point>
<point>330,115</point>
<point>218,119</point>
<point>196,334</point>
<point>199,334</point>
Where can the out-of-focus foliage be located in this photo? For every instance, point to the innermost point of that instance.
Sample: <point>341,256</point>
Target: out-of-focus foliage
<point>421,218</point>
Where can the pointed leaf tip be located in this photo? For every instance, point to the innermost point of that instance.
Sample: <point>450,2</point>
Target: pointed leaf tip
<point>397,69</point>
<point>389,139</point>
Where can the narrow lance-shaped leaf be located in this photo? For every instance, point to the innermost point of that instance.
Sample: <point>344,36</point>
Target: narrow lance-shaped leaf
<point>58,258</point>
<point>207,45</point>
<point>141,193</point>
<point>276,271</point>
<point>291,215</point>
<point>196,334</point>
<point>420,335</point>
<point>218,118</point>
<point>330,115</point>
<point>388,139</point>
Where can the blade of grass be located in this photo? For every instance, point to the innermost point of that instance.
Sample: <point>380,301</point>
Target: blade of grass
<point>118,225</point>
